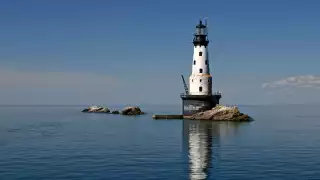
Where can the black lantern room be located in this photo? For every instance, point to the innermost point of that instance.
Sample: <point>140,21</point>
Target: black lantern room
<point>200,37</point>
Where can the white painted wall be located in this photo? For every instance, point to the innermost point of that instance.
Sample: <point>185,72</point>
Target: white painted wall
<point>195,83</point>
<point>200,60</point>
<point>198,79</point>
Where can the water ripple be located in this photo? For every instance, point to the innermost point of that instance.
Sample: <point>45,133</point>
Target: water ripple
<point>75,146</point>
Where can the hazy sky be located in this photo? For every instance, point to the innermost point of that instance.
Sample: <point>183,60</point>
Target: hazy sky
<point>134,51</point>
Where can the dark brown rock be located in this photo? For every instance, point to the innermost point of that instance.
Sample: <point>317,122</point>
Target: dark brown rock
<point>132,110</point>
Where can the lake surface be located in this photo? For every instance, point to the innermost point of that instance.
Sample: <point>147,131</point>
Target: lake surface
<point>62,143</point>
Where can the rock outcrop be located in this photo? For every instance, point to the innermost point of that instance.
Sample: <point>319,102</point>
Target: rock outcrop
<point>132,110</point>
<point>222,113</point>
<point>96,109</point>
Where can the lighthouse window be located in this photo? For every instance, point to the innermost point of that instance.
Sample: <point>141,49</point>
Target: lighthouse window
<point>200,89</point>
<point>194,62</point>
<point>206,62</point>
<point>200,53</point>
<point>200,80</point>
<point>200,70</point>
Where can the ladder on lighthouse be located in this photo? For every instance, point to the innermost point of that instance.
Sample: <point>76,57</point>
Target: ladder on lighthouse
<point>185,85</point>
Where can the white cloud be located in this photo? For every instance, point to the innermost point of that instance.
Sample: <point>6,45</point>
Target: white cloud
<point>308,81</point>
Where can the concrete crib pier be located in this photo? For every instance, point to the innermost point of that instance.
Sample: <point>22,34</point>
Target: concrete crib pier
<point>172,116</point>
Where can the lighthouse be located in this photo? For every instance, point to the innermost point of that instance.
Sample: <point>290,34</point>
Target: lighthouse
<point>198,96</point>
<point>200,81</point>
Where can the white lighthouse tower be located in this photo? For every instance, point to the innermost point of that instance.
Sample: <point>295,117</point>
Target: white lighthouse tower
<point>198,96</point>
<point>200,81</point>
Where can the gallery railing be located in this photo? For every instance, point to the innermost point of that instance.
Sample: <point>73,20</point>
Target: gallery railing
<point>217,93</point>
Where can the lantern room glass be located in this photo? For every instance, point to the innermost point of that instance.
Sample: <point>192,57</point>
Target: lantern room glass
<point>201,31</point>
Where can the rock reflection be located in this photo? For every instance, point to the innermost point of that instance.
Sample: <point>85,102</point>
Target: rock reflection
<point>201,140</point>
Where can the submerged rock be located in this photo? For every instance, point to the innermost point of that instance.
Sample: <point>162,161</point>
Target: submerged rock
<point>222,113</point>
<point>132,110</point>
<point>96,109</point>
<point>115,112</point>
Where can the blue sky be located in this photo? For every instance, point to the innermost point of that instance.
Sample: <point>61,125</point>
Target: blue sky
<point>133,52</point>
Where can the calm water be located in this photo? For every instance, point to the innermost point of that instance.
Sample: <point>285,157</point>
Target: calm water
<point>62,143</point>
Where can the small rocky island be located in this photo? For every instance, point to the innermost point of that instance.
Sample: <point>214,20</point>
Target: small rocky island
<point>222,113</point>
<point>130,110</point>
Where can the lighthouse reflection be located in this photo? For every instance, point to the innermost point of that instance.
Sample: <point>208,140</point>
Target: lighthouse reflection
<point>201,143</point>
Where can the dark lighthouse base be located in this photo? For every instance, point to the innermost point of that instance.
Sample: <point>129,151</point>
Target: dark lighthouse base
<point>192,104</point>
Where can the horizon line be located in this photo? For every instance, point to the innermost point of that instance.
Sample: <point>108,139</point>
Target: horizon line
<point>137,104</point>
